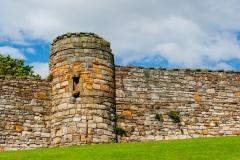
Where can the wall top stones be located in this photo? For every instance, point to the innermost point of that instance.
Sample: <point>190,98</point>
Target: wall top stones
<point>178,69</point>
<point>81,40</point>
<point>78,34</point>
<point>25,78</point>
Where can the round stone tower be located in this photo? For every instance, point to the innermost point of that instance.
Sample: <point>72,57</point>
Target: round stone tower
<point>83,102</point>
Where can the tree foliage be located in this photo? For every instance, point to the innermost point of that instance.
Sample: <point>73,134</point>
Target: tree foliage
<point>15,67</point>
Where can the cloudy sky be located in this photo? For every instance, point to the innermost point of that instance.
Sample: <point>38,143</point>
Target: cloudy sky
<point>156,33</point>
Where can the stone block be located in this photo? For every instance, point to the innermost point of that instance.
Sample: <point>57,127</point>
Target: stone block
<point>35,95</point>
<point>236,132</point>
<point>46,135</point>
<point>197,98</point>
<point>88,80</point>
<point>37,109</point>
<point>97,119</point>
<point>59,132</point>
<point>42,95</point>
<point>67,138</point>
<point>72,129</point>
<point>97,60</point>
<point>216,119</point>
<point>104,138</point>
<point>120,93</point>
<point>204,131</point>
<point>24,138</point>
<point>68,76</point>
<point>87,100</point>
<point>126,114</point>
<point>33,102</point>
<point>88,138</point>
<point>19,128</point>
<point>157,138</point>
<point>1,149</point>
<point>84,75</point>
<point>104,88</point>
<point>148,123</point>
<point>76,119</point>
<point>89,86</point>
<point>195,135</point>
<point>92,125</point>
<point>37,134</point>
<point>82,125</point>
<point>133,108</point>
<point>150,138</point>
<point>207,124</point>
<point>72,111</point>
<point>99,76</point>
<point>234,117</point>
<point>96,86</point>
<point>65,83</point>
<point>102,126</point>
<point>65,112</point>
<point>76,137</point>
<point>210,91</point>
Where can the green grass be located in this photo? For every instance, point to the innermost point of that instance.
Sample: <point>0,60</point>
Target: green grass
<point>220,148</point>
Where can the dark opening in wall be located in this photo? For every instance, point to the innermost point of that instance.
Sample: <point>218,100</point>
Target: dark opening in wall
<point>75,83</point>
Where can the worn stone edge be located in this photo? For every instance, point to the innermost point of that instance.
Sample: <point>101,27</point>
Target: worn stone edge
<point>179,69</point>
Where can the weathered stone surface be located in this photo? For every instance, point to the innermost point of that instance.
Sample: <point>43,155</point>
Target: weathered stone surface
<point>204,102</point>
<point>25,106</point>
<point>19,128</point>
<point>86,139</point>
<point>82,63</point>
<point>97,119</point>
<point>236,132</point>
<point>42,95</point>
<point>46,135</point>
<point>210,90</point>
<point>126,113</point>
<point>39,113</point>
<point>205,132</point>
<point>197,98</point>
<point>1,149</point>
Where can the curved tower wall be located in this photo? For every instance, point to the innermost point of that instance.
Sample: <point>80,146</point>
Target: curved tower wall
<point>82,67</point>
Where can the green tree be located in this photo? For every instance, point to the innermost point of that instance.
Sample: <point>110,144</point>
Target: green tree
<point>15,67</point>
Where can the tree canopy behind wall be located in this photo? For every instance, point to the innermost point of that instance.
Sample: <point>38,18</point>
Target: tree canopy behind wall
<point>15,67</point>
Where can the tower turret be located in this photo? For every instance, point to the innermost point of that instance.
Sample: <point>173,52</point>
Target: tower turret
<point>83,104</point>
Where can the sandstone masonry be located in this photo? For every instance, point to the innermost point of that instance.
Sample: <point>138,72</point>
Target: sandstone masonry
<point>89,98</point>
<point>25,113</point>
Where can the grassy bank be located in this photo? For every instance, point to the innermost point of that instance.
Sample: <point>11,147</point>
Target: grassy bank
<point>220,148</point>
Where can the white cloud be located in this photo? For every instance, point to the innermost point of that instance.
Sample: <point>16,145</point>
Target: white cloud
<point>30,50</point>
<point>224,66</point>
<point>13,52</point>
<point>40,68</point>
<point>187,34</point>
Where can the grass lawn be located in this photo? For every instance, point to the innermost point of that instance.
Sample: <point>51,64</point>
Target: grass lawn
<point>219,148</point>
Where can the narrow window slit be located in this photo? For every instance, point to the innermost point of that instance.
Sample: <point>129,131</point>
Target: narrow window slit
<point>75,84</point>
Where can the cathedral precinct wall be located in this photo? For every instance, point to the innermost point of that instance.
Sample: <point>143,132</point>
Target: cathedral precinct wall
<point>25,113</point>
<point>207,102</point>
<point>90,100</point>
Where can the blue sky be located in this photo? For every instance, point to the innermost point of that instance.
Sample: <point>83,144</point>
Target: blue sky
<point>156,33</point>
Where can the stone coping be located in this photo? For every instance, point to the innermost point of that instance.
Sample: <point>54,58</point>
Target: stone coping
<point>77,34</point>
<point>25,78</point>
<point>180,69</point>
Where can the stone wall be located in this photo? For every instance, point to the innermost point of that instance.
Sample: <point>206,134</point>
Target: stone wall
<point>25,113</point>
<point>207,103</point>
<point>90,98</point>
<point>83,90</point>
